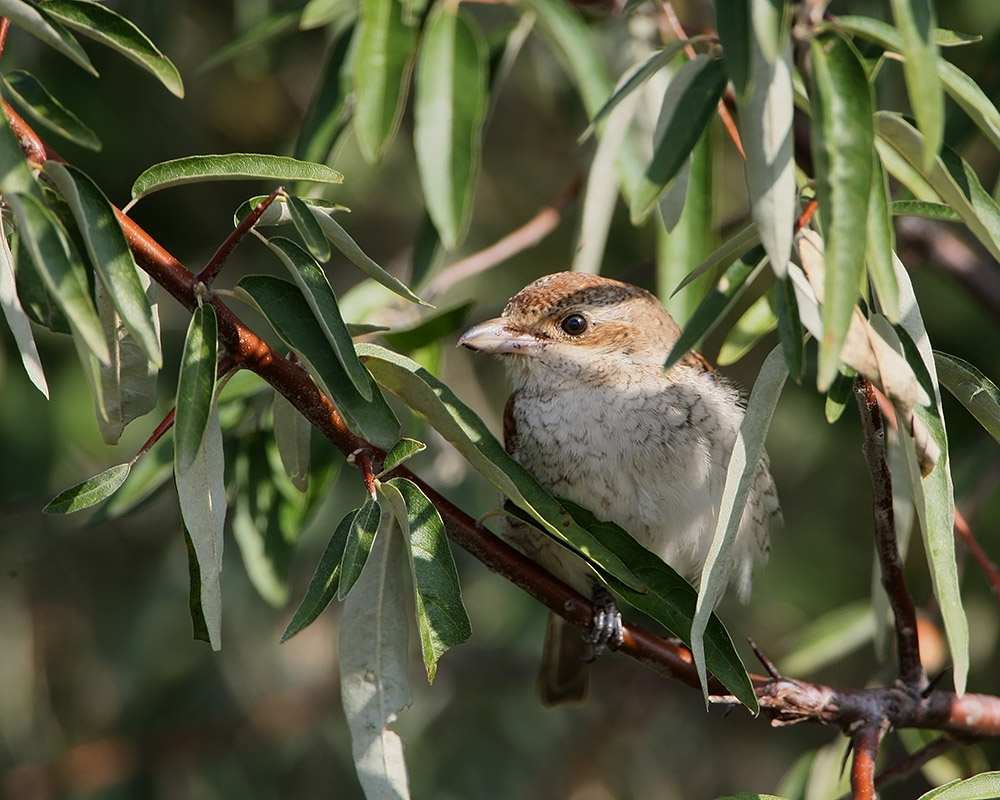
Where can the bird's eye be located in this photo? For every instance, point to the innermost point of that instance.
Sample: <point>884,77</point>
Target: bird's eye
<point>574,324</point>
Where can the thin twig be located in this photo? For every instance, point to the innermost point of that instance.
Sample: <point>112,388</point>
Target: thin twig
<point>211,269</point>
<point>907,766</point>
<point>986,564</point>
<point>911,671</point>
<point>866,741</point>
<point>528,235</point>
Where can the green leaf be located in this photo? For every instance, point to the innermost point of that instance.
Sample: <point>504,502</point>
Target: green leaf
<point>309,229</point>
<point>201,491</point>
<point>382,62</point>
<point>292,434</point>
<point>59,265</point>
<point>39,23</point>
<point>733,248</point>
<point>270,28</point>
<point>972,389</point>
<point>921,208</point>
<point>328,112</point>
<point>740,474</point>
<point>429,329</point>
<point>233,166</point>
<point>110,254</point>
<point>292,319</point>
<point>14,173</point>
<point>319,295</point>
<point>457,423</point>
<point>934,494</point>
<point>843,141</point>
<point>325,580</point>
<point>400,452</point>
<point>25,90</point>
<point>112,30</point>
<point>342,240</point>
<point>766,129</point>
<point>441,616</point>
<point>448,114</point>
<point>18,320</point>
<point>915,20</point>
<point>688,105</point>
<point>717,303</point>
<point>951,178</point>
<point>358,546</point>
<point>984,786</point>
<point>374,684</point>
<point>733,24</point>
<point>195,386</point>
<point>880,243</point>
<point>757,321</point>
<point>90,492</point>
<point>789,326</point>
<point>671,600</point>
<point>829,639</point>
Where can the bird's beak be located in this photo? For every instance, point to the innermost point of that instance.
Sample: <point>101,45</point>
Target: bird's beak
<point>498,337</point>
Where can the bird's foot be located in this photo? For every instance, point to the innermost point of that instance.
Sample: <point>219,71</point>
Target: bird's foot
<point>606,629</point>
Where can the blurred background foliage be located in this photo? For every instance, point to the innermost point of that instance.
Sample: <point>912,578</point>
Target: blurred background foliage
<point>103,693</point>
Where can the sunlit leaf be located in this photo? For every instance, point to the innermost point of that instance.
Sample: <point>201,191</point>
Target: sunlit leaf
<point>309,229</point>
<point>195,385</point>
<point>39,23</point>
<point>983,786</point>
<point>757,321</point>
<point>17,320</point>
<point>358,546</point>
<point>921,208</point>
<point>112,30</point>
<point>880,243</point>
<point>30,95</point>
<point>90,492</point>
<point>400,452</point>
<point>972,389</point>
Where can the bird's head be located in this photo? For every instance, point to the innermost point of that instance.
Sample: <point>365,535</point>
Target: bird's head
<point>577,325</point>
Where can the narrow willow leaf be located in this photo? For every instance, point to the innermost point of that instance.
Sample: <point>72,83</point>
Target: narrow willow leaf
<point>429,329</point>
<point>565,30</point>
<point>979,787</point>
<point>401,451</point>
<point>915,20</point>
<point>112,30</point>
<point>289,314</point>
<point>920,208</point>
<point>671,600</point>
<point>829,639</point>
<point>268,29</point>
<point>61,269</point>
<point>972,389</point>
<point>149,475</point>
<point>342,240</point>
<point>840,394</point>
<point>325,580</point>
<point>733,24</point>
<point>636,77</point>
<point>374,686</point>
<point>441,616</point>
<point>318,13</point>
<point>766,129</point>
<point>843,141</point>
<point>449,110</point>
<point>358,546</point>
<point>934,493</point>
<point>309,229</point>
<point>319,295</point>
<point>328,112</point>
<point>279,213</point>
<point>90,492</point>
<point>688,105</point>
<point>459,425</point>
<point>201,490</point>
<point>905,173</point>
<point>733,248</point>
<point>717,303</point>
<point>195,386</point>
<point>109,253</point>
<point>382,62</point>
<point>950,176</point>
<point>962,89</point>
<point>757,321</point>
<point>292,434</point>
<point>26,91</point>
<point>40,24</point>
<point>233,166</point>
<point>747,453</point>
<point>880,243</point>
<point>790,330</point>
<point>17,320</point>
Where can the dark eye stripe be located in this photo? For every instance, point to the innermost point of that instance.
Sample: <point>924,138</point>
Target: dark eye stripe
<point>574,324</point>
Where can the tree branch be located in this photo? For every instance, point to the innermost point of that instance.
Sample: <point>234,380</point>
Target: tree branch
<point>865,742</point>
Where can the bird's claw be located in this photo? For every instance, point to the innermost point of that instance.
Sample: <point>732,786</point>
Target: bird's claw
<point>606,629</point>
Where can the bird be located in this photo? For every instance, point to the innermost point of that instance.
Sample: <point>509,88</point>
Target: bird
<point>593,415</point>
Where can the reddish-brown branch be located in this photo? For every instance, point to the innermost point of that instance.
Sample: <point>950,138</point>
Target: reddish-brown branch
<point>783,700</point>
<point>911,671</point>
<point>985,563</point>
<point>211,269</point>
<point>865,741</point>
<point>4,28</point>
<point>907,766</point>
